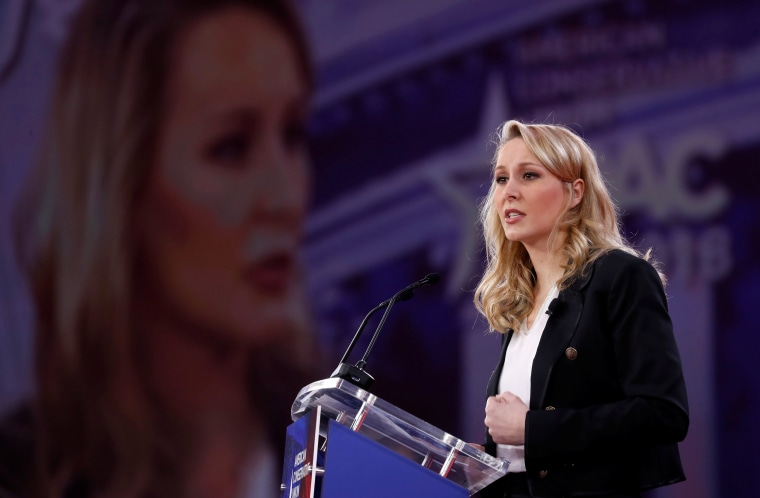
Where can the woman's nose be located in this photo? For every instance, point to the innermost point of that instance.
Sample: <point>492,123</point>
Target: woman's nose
<point>511,189</point>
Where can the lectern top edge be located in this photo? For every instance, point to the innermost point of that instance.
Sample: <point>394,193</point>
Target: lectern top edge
<point>400,431</point>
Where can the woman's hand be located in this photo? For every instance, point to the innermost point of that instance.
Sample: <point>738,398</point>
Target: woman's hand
<point>505,418</point>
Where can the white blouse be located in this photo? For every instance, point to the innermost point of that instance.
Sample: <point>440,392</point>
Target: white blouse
<point>515,375</point>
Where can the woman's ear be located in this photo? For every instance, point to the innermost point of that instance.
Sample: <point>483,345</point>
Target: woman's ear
<point>578,187</point>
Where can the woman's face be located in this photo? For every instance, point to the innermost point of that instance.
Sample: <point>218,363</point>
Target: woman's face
<point>222,218</point>
<point>528,198</point>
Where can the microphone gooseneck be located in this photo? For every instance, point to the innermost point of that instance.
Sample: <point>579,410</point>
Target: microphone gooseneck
<point>361,328</point>
<point>356,373</point>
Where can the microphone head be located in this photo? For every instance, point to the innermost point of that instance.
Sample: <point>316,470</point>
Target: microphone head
<point>431,279</point>
<point>554,306</point>
<point>407,292</point>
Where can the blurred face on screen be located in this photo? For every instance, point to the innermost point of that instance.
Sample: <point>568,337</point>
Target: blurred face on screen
<point>221,220</point>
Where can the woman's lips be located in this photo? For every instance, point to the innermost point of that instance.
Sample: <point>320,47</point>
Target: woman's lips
<point>513,216</point>
<point>271,274</point>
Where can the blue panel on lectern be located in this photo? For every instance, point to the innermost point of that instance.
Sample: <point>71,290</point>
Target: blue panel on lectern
<point>296,454</point>
<point>356,466</point>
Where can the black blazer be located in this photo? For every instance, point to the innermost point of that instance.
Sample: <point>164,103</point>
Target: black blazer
<point>608,399</point>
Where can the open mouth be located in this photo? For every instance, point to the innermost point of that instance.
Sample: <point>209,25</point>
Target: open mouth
<point>513,215</point>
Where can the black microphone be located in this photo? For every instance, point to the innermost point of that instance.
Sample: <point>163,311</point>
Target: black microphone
<point>356,373</point>
<point>403,295</point>
<point>554,306</point>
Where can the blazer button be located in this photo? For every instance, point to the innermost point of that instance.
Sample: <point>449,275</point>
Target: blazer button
<point>542,473</point>
<point>571,353</point>
<point>549,408</point>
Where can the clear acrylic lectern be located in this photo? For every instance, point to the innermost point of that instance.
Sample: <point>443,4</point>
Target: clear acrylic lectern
<point>346,441</point>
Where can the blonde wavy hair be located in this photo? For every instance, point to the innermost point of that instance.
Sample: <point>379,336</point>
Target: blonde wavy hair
<point>504,295</point>
<point>74,227</point>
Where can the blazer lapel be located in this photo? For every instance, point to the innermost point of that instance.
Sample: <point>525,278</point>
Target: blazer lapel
<point>493,383</point>
<point>559,330</point>
<point>493,386</point>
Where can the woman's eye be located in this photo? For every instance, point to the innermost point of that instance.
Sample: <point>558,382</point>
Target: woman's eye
<point>501,180</point>
<point>229,150</point>
<point>530,176</point>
